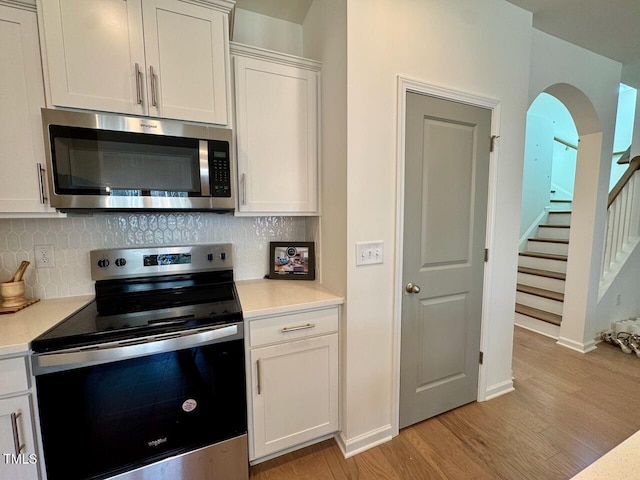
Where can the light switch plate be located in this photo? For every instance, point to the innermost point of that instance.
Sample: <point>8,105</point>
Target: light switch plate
<point>369,253</point>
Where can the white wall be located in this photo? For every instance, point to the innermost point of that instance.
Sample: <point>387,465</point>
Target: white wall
<point>626,285</point>
<point>593,107</point>
<point>480,47</point>
<point>536,183</point>
<point>267,32</point>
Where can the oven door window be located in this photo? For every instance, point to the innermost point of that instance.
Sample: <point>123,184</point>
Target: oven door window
<point>103,420</point>
<point>104,162</point>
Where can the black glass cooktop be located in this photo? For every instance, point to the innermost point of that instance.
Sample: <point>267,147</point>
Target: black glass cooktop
<point>132,308</point>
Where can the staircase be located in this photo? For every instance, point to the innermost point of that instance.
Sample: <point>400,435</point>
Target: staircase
<point>542,270</point>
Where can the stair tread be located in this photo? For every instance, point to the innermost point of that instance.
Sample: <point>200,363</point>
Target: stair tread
<point>560,201</point>
<point>542,273</point>
<point>549,240</point>
<point>540,292</point>
<point>546,256</point>
<point>556,212</point>
<point>550,225</point>
<point>539,314</point>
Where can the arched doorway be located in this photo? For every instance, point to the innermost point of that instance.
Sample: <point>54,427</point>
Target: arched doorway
<point>586,237</point>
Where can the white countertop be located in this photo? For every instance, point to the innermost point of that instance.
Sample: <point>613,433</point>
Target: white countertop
<point>18,329</point>
<point>272,297</point>
<point>621,463</point>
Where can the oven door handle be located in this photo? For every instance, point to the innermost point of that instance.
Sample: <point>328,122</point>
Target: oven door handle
<point>115,351</point>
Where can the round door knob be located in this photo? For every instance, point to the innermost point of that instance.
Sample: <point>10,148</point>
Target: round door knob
<point>412,288</point>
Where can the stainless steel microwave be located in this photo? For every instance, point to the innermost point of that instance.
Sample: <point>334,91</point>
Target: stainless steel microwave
<point>100,161</point>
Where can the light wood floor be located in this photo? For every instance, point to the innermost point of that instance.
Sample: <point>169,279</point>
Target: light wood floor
<point>568,410</point>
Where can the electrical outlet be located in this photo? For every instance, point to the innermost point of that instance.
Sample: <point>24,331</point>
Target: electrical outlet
<point>44,256</point>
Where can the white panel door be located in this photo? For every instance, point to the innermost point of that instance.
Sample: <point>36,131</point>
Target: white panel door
<point>92,52</point>
<point>21,98</point>
<point>445,214</point>
<point>13,465</point>
<point>187,63</point>
<point>276,108</point>
<point>295,393</point>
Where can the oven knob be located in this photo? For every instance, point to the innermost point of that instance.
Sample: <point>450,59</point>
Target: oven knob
<point>103,263</point>
<point>210,257</point>
<point>223,256</point>
<point>120,262</point>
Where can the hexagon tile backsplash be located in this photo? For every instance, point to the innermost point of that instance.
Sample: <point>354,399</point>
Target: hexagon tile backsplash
<point>73,238</point>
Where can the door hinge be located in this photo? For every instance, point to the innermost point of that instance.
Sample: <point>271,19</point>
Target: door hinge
<point>486,254</point>
<point>493,142</point>
<point>481,358</point>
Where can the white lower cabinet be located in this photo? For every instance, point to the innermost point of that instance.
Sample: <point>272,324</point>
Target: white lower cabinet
<point>294,382</point>
<point>18,458</point>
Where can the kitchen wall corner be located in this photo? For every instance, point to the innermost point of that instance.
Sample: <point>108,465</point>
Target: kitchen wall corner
<point>73,238</point>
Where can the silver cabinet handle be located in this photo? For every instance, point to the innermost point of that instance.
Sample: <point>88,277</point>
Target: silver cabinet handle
<point>259,372</point>
<point>16,436</point>
<point>243,181</point>
<point>138,85</point>
<point>412,288</point>
<point>43,198</point>
<point>298,327</point>
<point>154,87</point>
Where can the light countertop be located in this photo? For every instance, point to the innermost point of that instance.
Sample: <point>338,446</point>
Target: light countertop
<point>258,298</point>
<point>18,329</point>
<point>272,297</point>
<point>621,463</point>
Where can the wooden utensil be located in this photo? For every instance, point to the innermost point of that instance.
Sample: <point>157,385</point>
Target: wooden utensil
<point>20,272</point>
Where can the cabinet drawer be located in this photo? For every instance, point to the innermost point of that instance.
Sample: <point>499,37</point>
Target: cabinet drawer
<point>13,375</point>
<point>291,327</point>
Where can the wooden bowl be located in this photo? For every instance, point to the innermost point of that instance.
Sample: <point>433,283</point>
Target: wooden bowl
<point>12,294</point>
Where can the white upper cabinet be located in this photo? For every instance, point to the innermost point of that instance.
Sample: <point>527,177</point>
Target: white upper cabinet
<point>276,100</point>
<point>21,97</point>
<point>163,58</point>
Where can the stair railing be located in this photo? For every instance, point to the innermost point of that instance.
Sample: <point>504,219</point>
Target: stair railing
<point>622,217</point>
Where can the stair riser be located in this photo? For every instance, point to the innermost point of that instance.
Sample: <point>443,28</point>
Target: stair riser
<point>537,281</point>
<point>543,264</point>
<point>550,232</point>
<point>548,247</point>
<point>557,218</point>
<point>555,206</point>
<point>541,303</point>
<point>538,326</point>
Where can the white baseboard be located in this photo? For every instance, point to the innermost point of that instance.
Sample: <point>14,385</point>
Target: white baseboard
<point>499,389</point>
<point>359,444</point>
<point>530,232</point>
<point>538,326</point>
<point>577,346</point>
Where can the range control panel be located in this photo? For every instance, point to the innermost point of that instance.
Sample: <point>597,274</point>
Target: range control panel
<point>110,264</point>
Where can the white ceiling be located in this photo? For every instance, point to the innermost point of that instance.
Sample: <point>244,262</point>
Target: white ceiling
<point>608,27</point>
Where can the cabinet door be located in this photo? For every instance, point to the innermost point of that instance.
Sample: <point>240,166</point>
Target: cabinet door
<point>295,393</point>
<point>277,125</point>
<point>21,97</point>
<point>22,466</point>
<point>92,49</point>
<point>187,63</point>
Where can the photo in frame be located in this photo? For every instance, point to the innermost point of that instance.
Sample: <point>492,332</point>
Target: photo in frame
<point>292,261</point>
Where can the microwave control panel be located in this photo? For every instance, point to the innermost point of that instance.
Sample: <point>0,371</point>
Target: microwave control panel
<point>220,169</point>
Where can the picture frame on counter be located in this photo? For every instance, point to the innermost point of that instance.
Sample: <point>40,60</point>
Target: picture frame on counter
<point>292,261</point>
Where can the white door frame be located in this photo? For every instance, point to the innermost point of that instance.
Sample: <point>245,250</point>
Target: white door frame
<point>406,85</point>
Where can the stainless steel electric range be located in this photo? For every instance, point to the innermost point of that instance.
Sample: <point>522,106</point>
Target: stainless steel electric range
<point>148,380</point>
